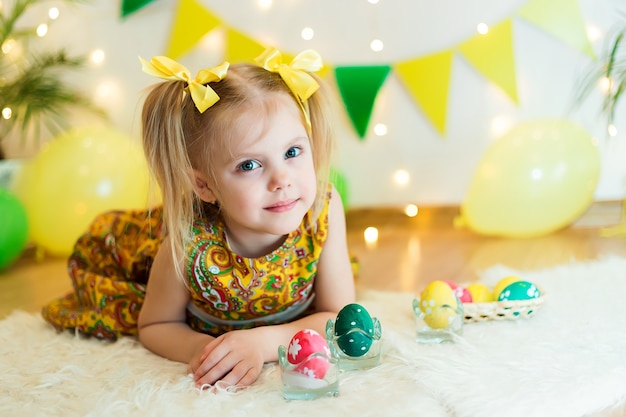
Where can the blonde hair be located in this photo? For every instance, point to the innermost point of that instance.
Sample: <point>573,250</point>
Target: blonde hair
<point>177,139</point>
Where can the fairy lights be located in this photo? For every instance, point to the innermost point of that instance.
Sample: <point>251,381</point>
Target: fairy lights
<point>411,210</point>
<point>401,177</point>
<point>307,33</point>
<point>370,235</point>
<point>377,45</point>
<point>380,129</point>
<point>482,28</point>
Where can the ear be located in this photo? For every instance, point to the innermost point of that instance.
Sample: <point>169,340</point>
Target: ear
<point>201,187</point>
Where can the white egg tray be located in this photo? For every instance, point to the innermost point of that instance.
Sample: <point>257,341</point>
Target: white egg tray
<point>502,310</point>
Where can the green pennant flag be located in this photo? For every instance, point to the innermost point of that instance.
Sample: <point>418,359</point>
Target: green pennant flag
<point>131,6</point>
<point>359,86</point>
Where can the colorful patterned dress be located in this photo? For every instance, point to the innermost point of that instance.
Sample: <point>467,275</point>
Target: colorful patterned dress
<point>110,266</point>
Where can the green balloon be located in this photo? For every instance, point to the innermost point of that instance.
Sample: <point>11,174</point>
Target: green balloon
<point>13,228</point>
<point>341,184</point>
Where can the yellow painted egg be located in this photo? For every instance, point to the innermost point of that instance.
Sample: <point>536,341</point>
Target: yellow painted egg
<point>436,294</point>
<point>480,293</point>
<point>441,317</point>
<point>503,283</point>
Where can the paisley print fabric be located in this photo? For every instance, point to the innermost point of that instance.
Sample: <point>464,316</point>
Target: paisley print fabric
<point>232,292</point>
<point>109,269</point>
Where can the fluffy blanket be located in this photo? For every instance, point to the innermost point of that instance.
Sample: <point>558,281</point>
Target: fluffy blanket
<point>567,360</point>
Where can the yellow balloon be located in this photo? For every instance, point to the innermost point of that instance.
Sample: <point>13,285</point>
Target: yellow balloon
<point>77,176</point>
<point>533,181</point>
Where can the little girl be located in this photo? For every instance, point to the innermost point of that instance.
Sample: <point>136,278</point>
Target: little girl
<point>254,247</point>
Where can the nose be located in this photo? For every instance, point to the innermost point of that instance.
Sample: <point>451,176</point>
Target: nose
<point>279,180</point>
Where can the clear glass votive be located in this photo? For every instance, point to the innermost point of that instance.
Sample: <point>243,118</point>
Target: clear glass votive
<point>443,324</point>
<point>299,381</point>
<point>356,349</point>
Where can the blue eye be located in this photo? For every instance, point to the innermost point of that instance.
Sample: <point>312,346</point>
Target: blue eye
<point>293,152</point>
<point>248,165</point>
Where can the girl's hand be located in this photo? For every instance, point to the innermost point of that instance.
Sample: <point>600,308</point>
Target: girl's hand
<point>235,358</point>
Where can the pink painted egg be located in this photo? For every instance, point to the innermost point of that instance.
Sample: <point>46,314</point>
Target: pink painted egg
<point>462,293</point>
<point>303,344</point>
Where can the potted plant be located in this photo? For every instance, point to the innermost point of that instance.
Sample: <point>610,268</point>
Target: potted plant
<point>35,99</point>
<point>610,69</point>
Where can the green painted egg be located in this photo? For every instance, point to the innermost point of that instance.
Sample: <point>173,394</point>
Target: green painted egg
<point>355,343</point>
<point>519,290</point>
<point>354,329</point>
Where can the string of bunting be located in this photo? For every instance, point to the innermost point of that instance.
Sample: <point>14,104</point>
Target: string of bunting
<point>491,55</point>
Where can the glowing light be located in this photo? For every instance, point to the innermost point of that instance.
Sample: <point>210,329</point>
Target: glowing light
<point>307,33</point>
<point>97,56</point>
<point>380,129</point>
<point>500,125</point>
<point>8,45</point>
<point>612,130</point>
<point>377,45</point>
<point>370,235</point>
<point>401,177</point>
<point>7,113</point>
<point>372,1</point>
<point>411,210</point>
<point>104,188</point>
<point>536,174</point>
<point>593,33</point>
<point>265,4</point>
<point>482,28</point>
<point>53,13</point>
<point>605,84</point>
<point>42,30</point>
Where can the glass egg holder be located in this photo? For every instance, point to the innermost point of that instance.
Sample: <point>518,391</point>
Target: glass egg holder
<point>441,324</point>
<point>299,384</point>
<point>356,349</point>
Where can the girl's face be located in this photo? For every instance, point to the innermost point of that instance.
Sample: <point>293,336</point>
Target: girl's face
<point>267,183</point>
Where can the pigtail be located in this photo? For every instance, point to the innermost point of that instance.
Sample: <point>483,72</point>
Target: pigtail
<point>321,110</point>
<point>166,154</point>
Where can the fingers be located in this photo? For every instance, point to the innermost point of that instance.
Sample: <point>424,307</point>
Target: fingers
<point>241,375</point>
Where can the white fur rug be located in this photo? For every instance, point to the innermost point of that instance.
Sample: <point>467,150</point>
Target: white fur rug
<point>567,360</point>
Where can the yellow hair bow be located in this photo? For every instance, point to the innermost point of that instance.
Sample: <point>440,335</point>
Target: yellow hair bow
<point>296,74</point>
<point>202,95</point>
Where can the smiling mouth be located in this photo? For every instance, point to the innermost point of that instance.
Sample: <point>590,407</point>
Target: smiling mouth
<point>282,206</point>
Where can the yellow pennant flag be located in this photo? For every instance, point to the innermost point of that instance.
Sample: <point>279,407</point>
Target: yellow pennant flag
<point>191,22</point>
<point>241,48</point>
<point>428,80</point>
<point>562,19</point>
<point>492,55</point>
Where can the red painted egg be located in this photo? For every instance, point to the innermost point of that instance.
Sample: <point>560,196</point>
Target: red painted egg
<point>303,344</point>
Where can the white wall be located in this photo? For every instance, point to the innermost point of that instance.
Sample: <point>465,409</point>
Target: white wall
<point>440,167</point>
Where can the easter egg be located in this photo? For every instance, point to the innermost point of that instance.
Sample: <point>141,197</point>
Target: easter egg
<point>461,292</point>
<point>436,294</point>
<point>519,290</point>
<point>440,318</point>
<point>304,344</point>
<point>503,283</point>
<point>480,293</point>
<point>354,329</point>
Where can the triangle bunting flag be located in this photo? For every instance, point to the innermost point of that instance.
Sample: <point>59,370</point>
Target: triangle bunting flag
<point>359,87</point>
<point>191,22</point>
<point>241,48</point>
<point>562,19</point>
<point>131,6</point>
<point>428,81</point>
<point>492,55</point>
